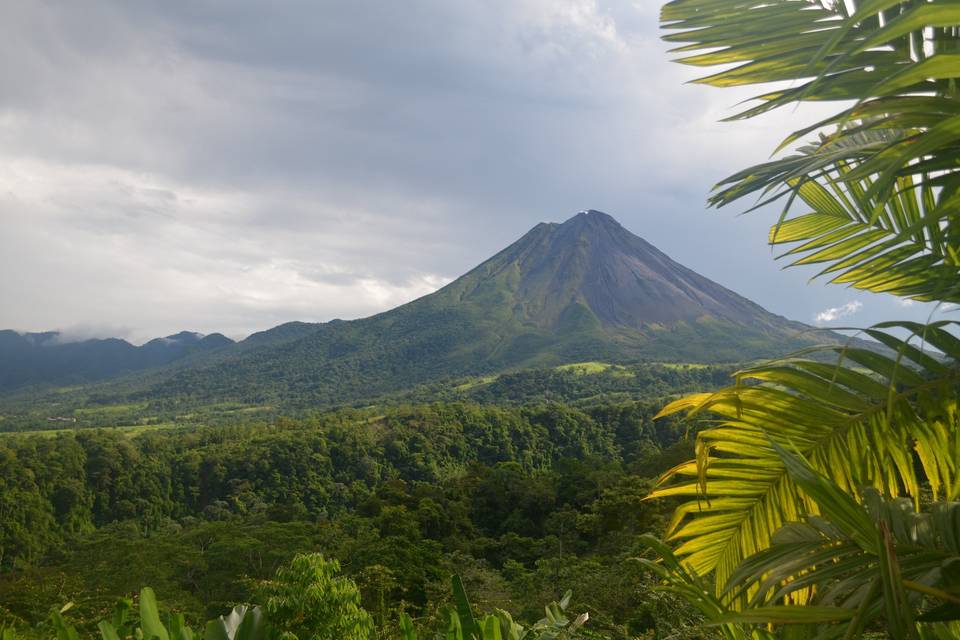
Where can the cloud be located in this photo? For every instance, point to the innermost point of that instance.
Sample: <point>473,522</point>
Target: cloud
<point>179,165</point>
<point>81,332</point>
<point>103,237</point>
<point>835,313</point>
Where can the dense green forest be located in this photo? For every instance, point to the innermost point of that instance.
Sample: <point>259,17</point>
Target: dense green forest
<point>582,384</point>
<point>523,502</point>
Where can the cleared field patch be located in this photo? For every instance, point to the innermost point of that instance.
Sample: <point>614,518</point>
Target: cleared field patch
<point>682,365</point>
<point>476,382</point>
<point>594,368</point>
<point>111,409</point>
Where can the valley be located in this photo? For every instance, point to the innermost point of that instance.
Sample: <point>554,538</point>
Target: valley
<point>501,428</point>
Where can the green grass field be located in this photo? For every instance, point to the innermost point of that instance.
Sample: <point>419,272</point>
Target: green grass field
<point>110,409</point>
<point>593,368</point>
<point>476,382</point>
<point>682,365</point>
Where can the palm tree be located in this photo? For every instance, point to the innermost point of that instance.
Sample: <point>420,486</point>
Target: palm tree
<point>796,447</point>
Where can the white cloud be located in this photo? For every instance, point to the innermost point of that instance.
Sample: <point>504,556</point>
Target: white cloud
<point>81,332</point>
<point>835,313</point>
<point>171,166</point>
<point>120,249</point>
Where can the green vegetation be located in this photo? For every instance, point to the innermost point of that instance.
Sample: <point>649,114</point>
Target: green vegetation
<point>586,384</point>
<point>309,598</point>
<point>587,368</point>
<point>128,430</point>
<point>523,502</point>
<point>831,489</point>
<point>581,385</point>
<point>819,498</point>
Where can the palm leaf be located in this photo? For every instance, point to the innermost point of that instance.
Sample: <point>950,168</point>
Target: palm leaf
<point>869,421</point>
<point>905,569</point>
<point>890,160</point>
<point>896,247</point>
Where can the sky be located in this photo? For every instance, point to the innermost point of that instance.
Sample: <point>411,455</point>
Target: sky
<point>229,166</point>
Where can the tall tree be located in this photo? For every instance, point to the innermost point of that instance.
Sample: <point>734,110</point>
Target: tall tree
<point>309,600</point>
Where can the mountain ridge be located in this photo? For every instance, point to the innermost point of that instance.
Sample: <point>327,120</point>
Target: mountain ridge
<point>585,289</point>
<point>48,358</point>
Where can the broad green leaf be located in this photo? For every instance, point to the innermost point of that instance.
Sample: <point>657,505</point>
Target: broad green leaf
<point>788,615</point>
<point>150,616</point>
<point>464,610</point>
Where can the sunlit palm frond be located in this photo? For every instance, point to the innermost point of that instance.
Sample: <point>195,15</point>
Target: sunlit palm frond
<point>876,565</point>
<point>887,421</point>
<point>882,561</point>
<point>874,201</point>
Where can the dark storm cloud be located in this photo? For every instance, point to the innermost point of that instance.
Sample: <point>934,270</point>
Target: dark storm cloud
<point>232,165</point>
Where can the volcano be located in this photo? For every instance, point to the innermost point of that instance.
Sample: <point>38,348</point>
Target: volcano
<point>583,290</point>
<point>586,289</point>
<point>591,267</point>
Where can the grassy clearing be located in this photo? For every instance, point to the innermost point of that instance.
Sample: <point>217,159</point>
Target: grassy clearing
<point>683,365</point>
<point>111,409</point>
<point>476,382</point>
<point>65,390</point>
<point>586,369</point>
<point>253,409</point>
<point>593,368</point>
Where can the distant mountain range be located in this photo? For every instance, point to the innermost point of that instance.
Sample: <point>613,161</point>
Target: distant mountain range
<point>586,289</point>
<point>50,358</point>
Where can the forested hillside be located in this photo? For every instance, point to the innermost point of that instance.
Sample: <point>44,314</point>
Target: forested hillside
<point>524,502</point>
<point>580,384</point>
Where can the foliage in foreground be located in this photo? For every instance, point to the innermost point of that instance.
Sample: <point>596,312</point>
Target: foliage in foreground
<point>849,566</point>
<point>309,600</point>
<point>825,496</point>
<point>500,625</point>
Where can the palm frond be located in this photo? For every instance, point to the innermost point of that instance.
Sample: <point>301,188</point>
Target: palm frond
<point>880,562</point>
<point>892,160</point>
<point>895,246</point>
<point>871,420</point>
